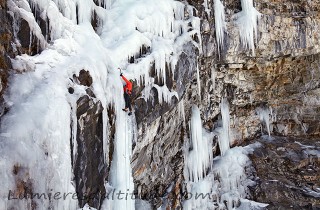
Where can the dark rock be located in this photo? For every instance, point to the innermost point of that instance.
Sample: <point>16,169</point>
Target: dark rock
<point>90,168</point>
<point>24,34</point>
<point>5,37</point>
<point>29,42</point>
<point>158,165</point>
<point>90,92</point>
<point>287,172</point>
<point>95,21</point>
<point>71,90</point>
<point>84,78</point>
<point>112,131</point>
<point>6,51</point>
<point>184,71</point>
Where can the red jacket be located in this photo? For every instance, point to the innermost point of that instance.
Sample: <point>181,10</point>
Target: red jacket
<point>128,87</point>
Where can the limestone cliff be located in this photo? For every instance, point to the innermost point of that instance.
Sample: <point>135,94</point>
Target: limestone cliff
<point>280,79</point>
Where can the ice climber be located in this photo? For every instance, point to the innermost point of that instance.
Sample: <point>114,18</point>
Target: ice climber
<point>127,89</point>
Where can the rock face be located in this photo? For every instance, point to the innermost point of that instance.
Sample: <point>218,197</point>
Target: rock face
<point>157,158</point>
<point>282,74</point>
<point>90,169</point>
<point>90,165</point>
<point>288,173</point>
<point>149,111</point>
<point>5,50</point>
<point>282,78</point>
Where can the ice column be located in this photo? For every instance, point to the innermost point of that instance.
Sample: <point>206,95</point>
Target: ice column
<point>264,116</point>
<point>220,23</point>
<point>248,24</point>
<point>200,155</point>
<point>121,180</point>
<point>198,158</point>
<point>224,136</point>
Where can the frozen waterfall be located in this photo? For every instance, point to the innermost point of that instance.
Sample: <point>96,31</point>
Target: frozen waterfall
<point>121,180</point>
<point>36,133</point>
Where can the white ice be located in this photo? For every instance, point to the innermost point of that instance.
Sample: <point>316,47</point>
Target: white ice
<point>36,132</point>
<point>264,116</point>
<point>247,21</point>
<point>198,158</point>
<point>120,173</point>
<point>220,23</point>
<point>224,133</point>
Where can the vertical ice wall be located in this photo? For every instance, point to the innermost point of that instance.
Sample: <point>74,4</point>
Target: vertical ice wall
<point>248,24</point>
<point>35,141</point>
<point>121,180</point>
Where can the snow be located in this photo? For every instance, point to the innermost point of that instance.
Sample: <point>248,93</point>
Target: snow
<point>249,204</point>
<point>161,27</point>
<point>247,21</point>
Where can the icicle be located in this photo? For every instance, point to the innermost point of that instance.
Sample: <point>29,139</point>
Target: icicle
<point>264,116</point>
<point>198,159</point>
<point>181,112</point>
<point>198,82</point>
<point>164,94</point>
<point>206,6</point>
<point>161,26</point>
<point>30,42</point>
<point>224,136</point>
<point>23,10</point>
<point>220,23</point>
<point>200,156</point>
<point>74,131</point>
<point>248,24</point>
<point>106,132</point>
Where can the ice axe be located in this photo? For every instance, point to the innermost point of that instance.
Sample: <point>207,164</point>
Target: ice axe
<point>120,70</point>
